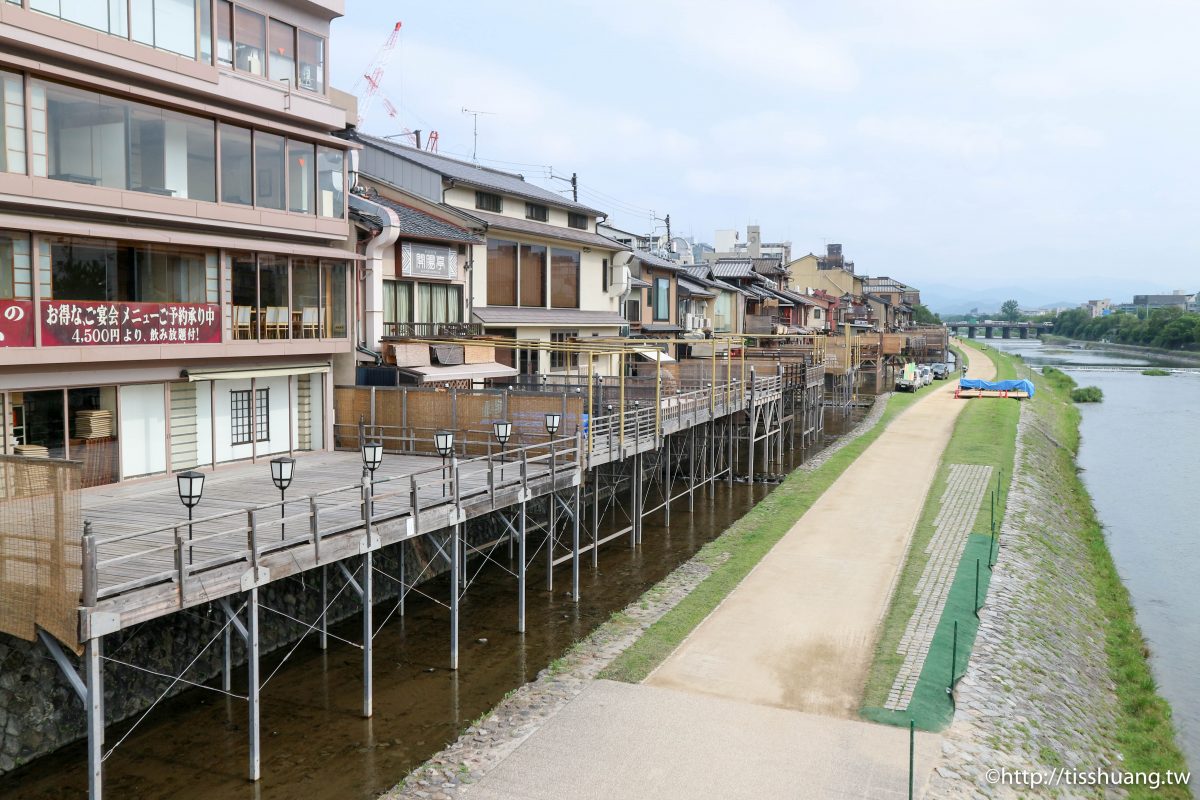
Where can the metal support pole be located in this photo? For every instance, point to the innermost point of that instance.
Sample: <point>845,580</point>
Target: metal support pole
<point>550,537</point>
<point>595,476</point>
<point>324,630</point>
<point>666,451</point>
<point>635,485</point>
<point>368,635</point>
<point>94,680</point>
<point>454,596</point>
<point>403,578</point>
<point>692,469</point>
<point>730,456</point>
<point>252,690</point>
<point>227,661</point>
<point>521,568</point>
<point>575,547</point>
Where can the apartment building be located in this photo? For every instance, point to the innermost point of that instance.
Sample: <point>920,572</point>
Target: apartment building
<point>543,272</point>
<point>176,269</point>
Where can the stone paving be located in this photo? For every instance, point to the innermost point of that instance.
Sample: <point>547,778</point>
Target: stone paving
<point>966,486</point>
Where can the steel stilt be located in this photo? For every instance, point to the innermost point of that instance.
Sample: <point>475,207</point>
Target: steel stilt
<point>575,548</point>
<point>94,680</point>
<point>368,635</point>
<point>253,723</point>
<point>521,569</point>
<point>454,556</point>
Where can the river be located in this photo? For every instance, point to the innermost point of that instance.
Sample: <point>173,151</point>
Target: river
<point>315,743</point>
<point>1140,455</point>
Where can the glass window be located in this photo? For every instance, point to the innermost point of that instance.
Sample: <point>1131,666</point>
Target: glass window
<point>577,221</point>
<point>250,41</point>
<point>225,33</point>
<point>283,52</point>
<point>533,275</point>
<point>45,420</point>
<point>236,175</point>
<point>564,278</point>
<point>268,170</point>
<point>105,269</point>
<point>561,359</point>
<point>243,271</point>
<point>501,273</point>
<point>331,183</point>
<point>165,24</point>
<point>439,302</point>
<point>537,211</point>
<point>487,201</point>
<point>171,154</point>
<point>312,63</point>
<point>243,429</point>
<point>302,176</point>
<point>206,32</point>
<point>334,285</point>
<point>662,299</point>
<point>274,321</point>
<point>12,123</point>
<point>108,16</point>
<point>16,276</point>
<point>397,305</point>
<point>306,298</point>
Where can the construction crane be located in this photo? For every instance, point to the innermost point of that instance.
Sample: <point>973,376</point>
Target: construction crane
<point>367,87</point>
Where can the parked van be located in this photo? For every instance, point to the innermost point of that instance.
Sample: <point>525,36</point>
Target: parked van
<point>909,379</point>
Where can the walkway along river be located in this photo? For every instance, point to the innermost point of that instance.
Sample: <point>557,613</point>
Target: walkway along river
<point>315,743</point>
<point>1140,452</point>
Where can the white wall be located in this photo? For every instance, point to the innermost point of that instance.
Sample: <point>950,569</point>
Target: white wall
<point>204,422</point>
<point>279,426</point>
<point>143,434</point>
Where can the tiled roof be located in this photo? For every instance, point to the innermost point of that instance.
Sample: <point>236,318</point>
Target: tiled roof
<point>546,230</point>
<point>473,174</point>
<point>694,288</point>
<point>768,265</point>
<point>655,261</point>
<point>511,315</point>
<point>417,224</point>
<point>637,283</point>
<point>732,268</point>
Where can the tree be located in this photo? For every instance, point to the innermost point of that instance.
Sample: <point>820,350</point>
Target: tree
<point>923,316</point>
<point>1011,310</point>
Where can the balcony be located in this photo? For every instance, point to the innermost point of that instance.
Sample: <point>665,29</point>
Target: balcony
<point>432,330</point>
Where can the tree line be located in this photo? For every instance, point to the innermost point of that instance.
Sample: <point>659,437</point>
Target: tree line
<point>1170,328</point>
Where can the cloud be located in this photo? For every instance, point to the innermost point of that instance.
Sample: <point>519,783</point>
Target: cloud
<point>948,137</point>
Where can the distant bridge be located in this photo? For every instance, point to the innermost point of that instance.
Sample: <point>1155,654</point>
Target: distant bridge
<point>1023,329</point>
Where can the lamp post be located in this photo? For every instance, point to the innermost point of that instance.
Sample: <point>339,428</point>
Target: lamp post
<point>282,469</point>
<point>444,442</point>
<point>502,430</point>
<point>190,485</point>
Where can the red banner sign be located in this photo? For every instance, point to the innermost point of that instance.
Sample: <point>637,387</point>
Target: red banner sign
<point>16,323</point>
<point>80,323</point>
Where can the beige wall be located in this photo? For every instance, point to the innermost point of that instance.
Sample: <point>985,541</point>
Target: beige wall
<point>805,275</point>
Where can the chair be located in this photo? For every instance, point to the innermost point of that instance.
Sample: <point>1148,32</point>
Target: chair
<point>241,322</point>
<point>277,322</point>
<point>310,322</point>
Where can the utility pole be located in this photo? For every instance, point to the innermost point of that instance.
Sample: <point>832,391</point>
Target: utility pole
<point>475,143</point>
<point>574,183</point>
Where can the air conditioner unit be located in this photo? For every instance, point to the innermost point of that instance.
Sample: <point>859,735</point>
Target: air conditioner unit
<point>706,323</point>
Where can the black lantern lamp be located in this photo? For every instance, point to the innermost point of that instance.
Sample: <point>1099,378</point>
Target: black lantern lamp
<point>282,469</point>
<point>190,486</point>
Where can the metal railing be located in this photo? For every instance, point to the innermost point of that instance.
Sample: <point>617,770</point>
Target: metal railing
<point>432,330</point>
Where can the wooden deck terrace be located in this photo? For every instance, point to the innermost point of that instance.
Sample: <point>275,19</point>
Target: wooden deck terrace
<point>143,559</point>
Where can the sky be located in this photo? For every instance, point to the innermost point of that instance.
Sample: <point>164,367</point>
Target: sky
<point>992,145</point>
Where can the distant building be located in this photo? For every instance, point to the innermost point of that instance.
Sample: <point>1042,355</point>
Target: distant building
<point>1098,308</point>
<point>729,245</point>
<point>1177,299</point>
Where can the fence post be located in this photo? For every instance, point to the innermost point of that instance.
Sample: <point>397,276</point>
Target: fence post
<point>415,503</point>
<point>91,581</point>
<point>252,540</point>
<point>314,528</point>
<point>179,563</point>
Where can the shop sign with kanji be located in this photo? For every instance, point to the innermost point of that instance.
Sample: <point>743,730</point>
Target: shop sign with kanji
<point>16,323</point>
<point>77,323</point>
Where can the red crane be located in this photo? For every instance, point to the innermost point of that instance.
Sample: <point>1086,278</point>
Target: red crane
<point>367,86</point>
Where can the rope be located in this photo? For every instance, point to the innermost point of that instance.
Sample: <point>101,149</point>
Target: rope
<point>181,679</point>
<point>311,628</point>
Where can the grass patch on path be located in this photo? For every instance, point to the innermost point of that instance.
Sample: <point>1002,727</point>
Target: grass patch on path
<point>736,551</point>
<point>984,434</point>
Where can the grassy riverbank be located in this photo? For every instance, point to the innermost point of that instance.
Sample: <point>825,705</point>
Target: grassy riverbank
<point>984,435</point>
<point>1144,733</point>
<point>736,551</point>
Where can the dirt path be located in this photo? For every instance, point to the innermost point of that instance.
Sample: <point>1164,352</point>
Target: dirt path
<point>800,630</point>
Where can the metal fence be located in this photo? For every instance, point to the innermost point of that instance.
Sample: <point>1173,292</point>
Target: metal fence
<point>40,547</point>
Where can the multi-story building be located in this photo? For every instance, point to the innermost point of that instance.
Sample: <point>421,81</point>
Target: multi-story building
<point>543,273</point>
<point>176,275</point>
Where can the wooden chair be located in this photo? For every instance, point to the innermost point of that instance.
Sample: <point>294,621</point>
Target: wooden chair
<point>241,322</point>
<point>277,322</point>
<point>310,322</point>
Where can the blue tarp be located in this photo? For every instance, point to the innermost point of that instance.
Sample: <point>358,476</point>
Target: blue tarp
<point>997,386</point>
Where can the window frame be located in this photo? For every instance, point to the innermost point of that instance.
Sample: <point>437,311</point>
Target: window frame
<point>249,425</point>
<point>561,359</point>
<point>484,199</point>
<point>662,298</point>
<point>537,212</point>
<point>577,220</point>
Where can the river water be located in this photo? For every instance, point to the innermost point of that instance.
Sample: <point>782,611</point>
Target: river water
<point>1140,454</point>
<point>315,743</point>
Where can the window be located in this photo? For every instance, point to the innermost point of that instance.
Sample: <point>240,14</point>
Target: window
<point>268,170</point>
<point>243,430</point>
<point>439,302</point>
<point>16,276</point>
<point>564,278</point>
<point>165,24</point>
<point>107,141</point>
<point>236,175</point>
<point>225,33</point>
<point>306,298</point>
<point>560,359</point>
<point>397,304</point>
<point>302,176</point>
<point>604,275</point>
<point>283,52</point>
<point>134,272</point>
<point>579,221</point>
<point>250,41</point>
<point>12,123</point>
<point>312,63</point>
<point>486,201</point>
<point>537,211</point>
<point>662,299</point>
<point>331,183</point>
<point>533,276</point>
<point>273,318</point>
<point>206,32</point>
<point>501,273</point>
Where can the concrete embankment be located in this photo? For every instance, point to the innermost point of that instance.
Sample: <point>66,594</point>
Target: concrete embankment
<point>1058,678</point>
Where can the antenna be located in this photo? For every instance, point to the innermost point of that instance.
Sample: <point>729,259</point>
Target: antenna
<point>475,144</point>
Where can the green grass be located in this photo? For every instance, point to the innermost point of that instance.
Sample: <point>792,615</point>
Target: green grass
<point>1144,732</point>
<point>741,546</point>
<point>984,434</point>
<point>1087,394</point>
<point>1155,372</point>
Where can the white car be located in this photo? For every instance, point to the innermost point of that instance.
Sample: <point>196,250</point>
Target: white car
<point>926,373</point>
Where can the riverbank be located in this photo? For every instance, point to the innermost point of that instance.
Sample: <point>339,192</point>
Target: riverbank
<point>1059,677</point>
<point>1182,358</point>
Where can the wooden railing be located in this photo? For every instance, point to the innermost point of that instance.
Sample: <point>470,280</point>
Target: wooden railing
<point>432,330</point>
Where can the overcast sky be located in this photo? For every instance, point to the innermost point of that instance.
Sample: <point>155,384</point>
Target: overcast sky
<point>986,143</point>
